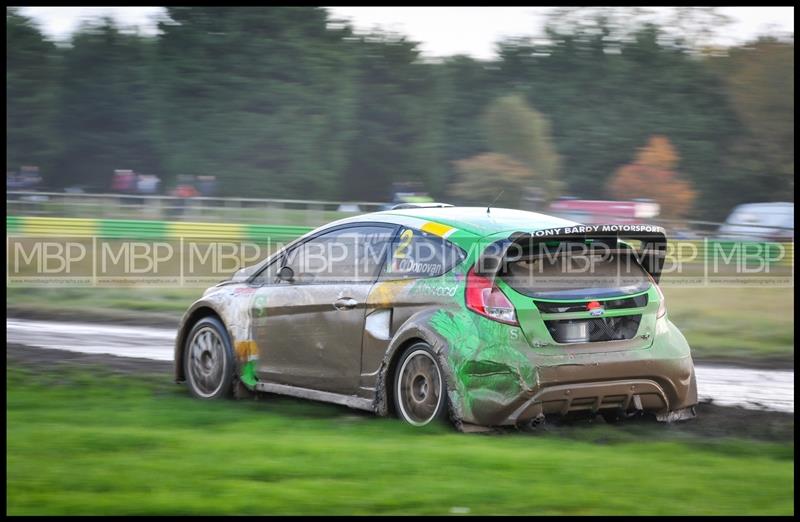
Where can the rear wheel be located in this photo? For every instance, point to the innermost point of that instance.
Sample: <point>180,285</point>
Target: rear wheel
<point>208,360</point>
<point>420,394</point>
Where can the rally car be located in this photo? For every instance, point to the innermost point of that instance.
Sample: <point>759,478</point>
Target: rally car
<point>481,316</point>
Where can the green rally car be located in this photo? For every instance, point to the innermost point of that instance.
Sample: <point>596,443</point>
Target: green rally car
<point>485,317</point>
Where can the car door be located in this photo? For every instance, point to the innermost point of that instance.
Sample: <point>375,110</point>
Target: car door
<point>309,329</point>
<point>412,279</point>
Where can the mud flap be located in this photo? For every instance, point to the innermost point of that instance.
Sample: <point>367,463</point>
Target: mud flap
<point>241,390</point>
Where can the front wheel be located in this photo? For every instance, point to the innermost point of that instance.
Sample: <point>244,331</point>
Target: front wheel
<point>209,360</point>
<point>420,393</point>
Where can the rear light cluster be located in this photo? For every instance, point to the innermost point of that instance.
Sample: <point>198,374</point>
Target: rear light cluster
<point>662,303</point>
<point>485,298</point>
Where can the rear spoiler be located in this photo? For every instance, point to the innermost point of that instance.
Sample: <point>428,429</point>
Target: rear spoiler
<point>604,239</point>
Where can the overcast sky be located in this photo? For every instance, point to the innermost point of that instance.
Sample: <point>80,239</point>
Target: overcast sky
<point>442,31</point>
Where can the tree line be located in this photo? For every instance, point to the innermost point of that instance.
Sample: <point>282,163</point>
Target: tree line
<point>287,102</point>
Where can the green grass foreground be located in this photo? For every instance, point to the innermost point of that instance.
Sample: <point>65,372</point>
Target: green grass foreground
<point>84,443</point>
<point>719,323</point>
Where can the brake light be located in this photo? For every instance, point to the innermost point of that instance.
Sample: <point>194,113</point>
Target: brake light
<point>662,302</point>
<point>484,298</point>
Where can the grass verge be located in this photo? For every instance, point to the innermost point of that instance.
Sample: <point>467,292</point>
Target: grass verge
<point>81,441</point>
<point>735,323</point>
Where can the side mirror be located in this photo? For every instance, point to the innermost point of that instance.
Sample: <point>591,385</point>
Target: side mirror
<point>286,274</point>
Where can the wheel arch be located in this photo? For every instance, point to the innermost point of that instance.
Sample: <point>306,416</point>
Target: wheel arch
<point>391,370</point>
<point>192,316</point>
<point>416,329</point>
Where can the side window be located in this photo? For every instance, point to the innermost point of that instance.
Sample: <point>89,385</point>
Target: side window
<point>346,255</point>
<point>415,254</point>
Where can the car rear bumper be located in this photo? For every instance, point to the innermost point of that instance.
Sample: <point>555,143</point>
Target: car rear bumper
<point>640,394</point>
<point>659,379</point>
<point>660,387</point>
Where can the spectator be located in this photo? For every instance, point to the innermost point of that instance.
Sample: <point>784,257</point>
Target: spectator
<point>147,184</point>
<point>124,182</point>
<point>30,178</point>
<point>207,186</point>
<point>13,183</point>
<point>185,189</point>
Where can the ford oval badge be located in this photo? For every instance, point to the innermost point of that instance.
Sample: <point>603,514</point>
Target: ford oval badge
<point>595,309</point>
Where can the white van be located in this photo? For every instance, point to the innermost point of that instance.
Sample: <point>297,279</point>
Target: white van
<point>760,222</point>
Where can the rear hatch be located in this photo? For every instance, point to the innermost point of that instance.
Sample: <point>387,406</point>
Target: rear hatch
<point>589,287</point>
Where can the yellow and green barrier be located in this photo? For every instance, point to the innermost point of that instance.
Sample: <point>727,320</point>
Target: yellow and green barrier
<point>148,229</point>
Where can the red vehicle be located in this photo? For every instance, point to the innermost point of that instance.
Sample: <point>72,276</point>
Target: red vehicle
<point>591,212</point>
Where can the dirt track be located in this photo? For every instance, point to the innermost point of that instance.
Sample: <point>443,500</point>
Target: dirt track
<point>52,359</point>
<point>168,320</point>
<point>756,389</point>
<point>712,421</point>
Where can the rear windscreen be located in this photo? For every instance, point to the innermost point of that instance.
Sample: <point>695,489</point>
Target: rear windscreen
<point>575,276</point>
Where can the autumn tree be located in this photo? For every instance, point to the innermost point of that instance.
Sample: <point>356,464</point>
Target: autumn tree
<point>606,81</point>
<point>652,175</point>
<point>492,178</point>
<point>522,133</point>
<point>521,158</point>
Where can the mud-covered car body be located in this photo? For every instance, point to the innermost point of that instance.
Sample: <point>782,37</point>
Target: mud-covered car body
<point>340,339</point>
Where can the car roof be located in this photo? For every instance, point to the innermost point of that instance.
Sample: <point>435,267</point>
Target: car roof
<point>475,220</point>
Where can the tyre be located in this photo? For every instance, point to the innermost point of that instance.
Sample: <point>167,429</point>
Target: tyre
<point>208,360</point>
<point>420,392</point>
